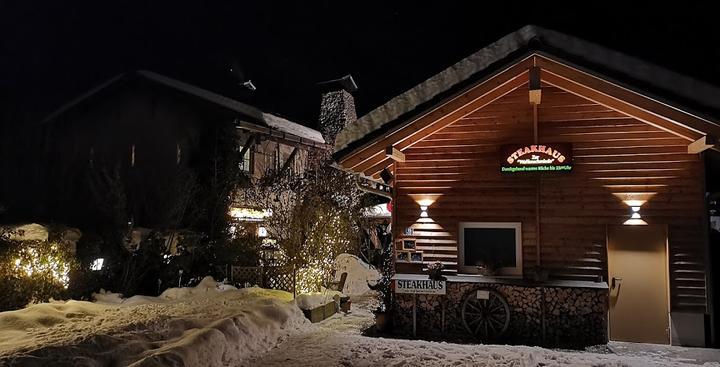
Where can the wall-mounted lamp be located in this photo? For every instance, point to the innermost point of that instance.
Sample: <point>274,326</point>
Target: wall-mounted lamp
<point>423,211</point>
<point>635,218</point>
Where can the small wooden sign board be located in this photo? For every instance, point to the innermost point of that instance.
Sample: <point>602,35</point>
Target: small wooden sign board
<point>422,286</point>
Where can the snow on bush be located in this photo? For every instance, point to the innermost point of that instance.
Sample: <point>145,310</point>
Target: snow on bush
<point>199,326</point>
<point>359,274</point>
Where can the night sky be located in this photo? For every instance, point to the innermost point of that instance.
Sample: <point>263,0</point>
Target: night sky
<point>54,50</point>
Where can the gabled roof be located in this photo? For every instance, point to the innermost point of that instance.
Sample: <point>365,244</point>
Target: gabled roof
<point>662,85</point>
<point>246,112</point>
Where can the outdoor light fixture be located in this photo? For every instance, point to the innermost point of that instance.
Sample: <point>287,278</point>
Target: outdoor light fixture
<point>262,232</point>
<point>97,264</point>
<point>635,218</point>
<point>249,214</point>
<point>423,211</point>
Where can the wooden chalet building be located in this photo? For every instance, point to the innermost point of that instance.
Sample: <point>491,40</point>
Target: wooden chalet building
<point>151,128</point>
<point>562,186</point>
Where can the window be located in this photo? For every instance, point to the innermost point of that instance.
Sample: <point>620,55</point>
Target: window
<point>132,155</point>
<point>497,245</point>
<point>246,161</point>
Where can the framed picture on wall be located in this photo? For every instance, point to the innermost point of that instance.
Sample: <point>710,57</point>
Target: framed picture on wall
<point>416,257</point>
<point>409,244</point>
<point>402,256</point>
<point>408,231</point>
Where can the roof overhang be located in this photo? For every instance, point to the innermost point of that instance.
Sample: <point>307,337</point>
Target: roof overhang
<point>368,158</point>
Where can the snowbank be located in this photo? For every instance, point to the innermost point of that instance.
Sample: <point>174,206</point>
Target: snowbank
<point>199,326</point>
<point>207,286</point>
<point>359,274</point>
<point>308,301</point>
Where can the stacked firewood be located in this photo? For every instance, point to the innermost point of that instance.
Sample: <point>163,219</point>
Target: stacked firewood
<point>572,317</point>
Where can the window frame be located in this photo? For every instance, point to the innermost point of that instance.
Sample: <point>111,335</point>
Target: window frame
<point>251,160</point>
<point>515,271</point>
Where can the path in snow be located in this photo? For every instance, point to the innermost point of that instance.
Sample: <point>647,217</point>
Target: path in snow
<point>338,342</point>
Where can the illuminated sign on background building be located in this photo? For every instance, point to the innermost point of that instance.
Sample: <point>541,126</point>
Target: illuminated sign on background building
<point>536,158</point>
<point>250,214</point>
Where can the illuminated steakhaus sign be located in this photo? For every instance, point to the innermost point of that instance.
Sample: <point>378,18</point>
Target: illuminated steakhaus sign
<point>536,157</point>
<point>420,286</point>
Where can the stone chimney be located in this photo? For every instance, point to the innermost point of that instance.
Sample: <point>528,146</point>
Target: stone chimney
<point>337,108</point>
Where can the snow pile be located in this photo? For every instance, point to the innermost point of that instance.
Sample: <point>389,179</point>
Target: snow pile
<point>207,286</point>
<point>308,301</point>
<point>200,326</point>
<point>359,274</point>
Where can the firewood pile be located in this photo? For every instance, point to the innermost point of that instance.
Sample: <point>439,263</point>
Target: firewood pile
<point>572,317</point>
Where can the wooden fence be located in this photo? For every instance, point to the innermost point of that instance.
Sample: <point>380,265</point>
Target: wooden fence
<point>271,277</point>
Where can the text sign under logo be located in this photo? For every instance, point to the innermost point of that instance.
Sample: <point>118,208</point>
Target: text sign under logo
<point>422,286</point>
<point>536,157</point>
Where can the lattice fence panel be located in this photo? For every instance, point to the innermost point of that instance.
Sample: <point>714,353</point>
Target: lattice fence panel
<point>280,277</point>
<point>247,274</point>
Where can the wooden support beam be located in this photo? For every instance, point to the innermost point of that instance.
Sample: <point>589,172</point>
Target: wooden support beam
<point>702,144</point>
<point>394,154</point>
<point>375,188</point>
<point>535,91</point>
<point>248,143</point>
<point>289,161</point>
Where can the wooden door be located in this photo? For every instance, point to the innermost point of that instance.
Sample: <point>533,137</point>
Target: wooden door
<point>637,269</point>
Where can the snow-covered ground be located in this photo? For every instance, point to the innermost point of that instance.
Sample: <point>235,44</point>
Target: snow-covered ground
<point>338,341</point>
<point>201,326</point>
<point>207,326</point>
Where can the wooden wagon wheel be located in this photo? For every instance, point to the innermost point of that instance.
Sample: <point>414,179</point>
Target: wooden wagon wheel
<point>486,318</point>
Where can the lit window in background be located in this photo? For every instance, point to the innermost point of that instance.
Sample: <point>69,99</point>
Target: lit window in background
<point>97,264</point>
<point>250,214</point>
<point>262,232</point>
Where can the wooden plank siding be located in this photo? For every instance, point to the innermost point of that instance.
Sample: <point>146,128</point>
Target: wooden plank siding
<point>457,167</point>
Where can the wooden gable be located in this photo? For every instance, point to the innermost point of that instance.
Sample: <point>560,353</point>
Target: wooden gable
<point>370,159</point>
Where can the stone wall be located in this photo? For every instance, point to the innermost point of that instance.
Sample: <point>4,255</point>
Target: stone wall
<point>572,317</point>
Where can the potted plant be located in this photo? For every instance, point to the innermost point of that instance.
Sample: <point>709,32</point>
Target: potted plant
<point>435,271</point>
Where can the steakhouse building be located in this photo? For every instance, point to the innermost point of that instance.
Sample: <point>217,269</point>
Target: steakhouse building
<point>561,185</point>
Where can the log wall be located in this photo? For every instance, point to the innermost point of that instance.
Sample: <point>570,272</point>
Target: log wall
<point>458,169</point>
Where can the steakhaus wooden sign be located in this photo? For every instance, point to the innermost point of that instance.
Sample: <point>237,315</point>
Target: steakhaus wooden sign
<point>420,286</point>
<point>536,157</point>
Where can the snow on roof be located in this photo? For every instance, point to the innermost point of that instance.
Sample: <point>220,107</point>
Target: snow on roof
<point>287,126</point>
<point>255,115</point>
<point>690,91</point>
